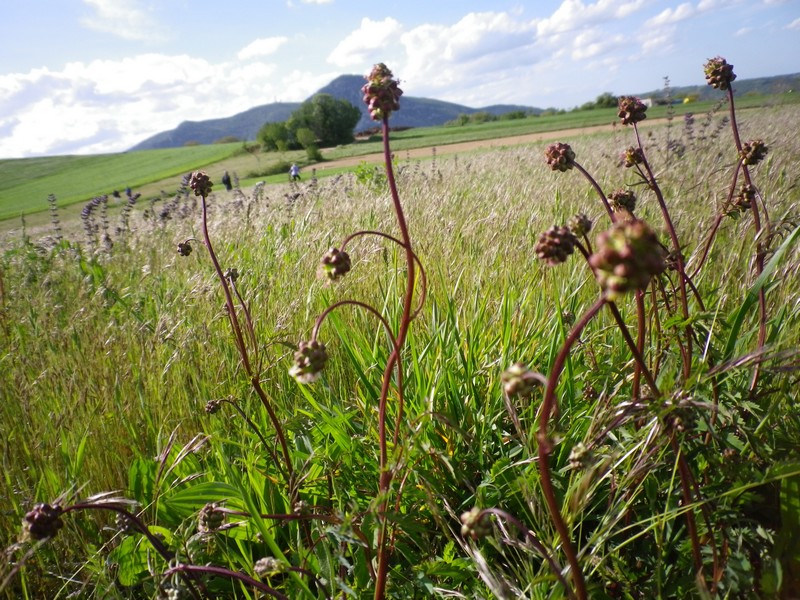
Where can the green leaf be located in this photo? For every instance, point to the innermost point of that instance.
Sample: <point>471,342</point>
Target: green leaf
<point>752,294</point>
<point>189,500</point>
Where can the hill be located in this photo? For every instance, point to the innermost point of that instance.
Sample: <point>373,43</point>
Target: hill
<point>778,84</point>
<point>415,112</point>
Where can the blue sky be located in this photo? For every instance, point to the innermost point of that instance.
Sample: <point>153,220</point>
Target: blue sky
<point>93,76</point>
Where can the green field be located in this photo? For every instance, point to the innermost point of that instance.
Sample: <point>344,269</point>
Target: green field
<point>541,368</point>
<point>26,183</point>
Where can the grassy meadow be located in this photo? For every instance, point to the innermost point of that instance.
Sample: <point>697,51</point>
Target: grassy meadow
<point>119,373</point>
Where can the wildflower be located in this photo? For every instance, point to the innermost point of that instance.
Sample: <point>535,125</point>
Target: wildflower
<point>43,521</point>
<point>632,157</point>
<point>628,255</point>
<point>622,200</point>
<point>210,518</point>
<point>560,157</point>
<point>579,224</point>
<point>719,74</point>
<point>309,360</point>
<point>555,245</point>
<point>579,456</point>
<point>231,275</point>
<point>201,183</point>
<point>184,248</point>
<point>744,199</point>
<point>213,406</point>
<point>335,263</point>
<point>381,92</point>
<point>269,566</point>
<point>519,380</point>
<point>631,110</point>
<point>474,524</point>
<point>753,152</point>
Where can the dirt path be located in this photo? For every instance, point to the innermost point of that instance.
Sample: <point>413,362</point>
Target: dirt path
<point>457,147</point>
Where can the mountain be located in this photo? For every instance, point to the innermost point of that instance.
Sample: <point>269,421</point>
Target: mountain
<point>414,112</point>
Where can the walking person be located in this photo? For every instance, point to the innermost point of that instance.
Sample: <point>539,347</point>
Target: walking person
<point>294,172</point>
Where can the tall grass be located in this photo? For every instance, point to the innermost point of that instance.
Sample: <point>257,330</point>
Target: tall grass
<point>110,357</point>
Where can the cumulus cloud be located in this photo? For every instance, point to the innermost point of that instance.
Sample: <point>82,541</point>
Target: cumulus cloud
<point>110,105</point>
<point>360,45</point>
<point>122,18</point>
<point>261,47</point>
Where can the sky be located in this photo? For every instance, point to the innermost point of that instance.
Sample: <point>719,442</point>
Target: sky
<point>99,76</point>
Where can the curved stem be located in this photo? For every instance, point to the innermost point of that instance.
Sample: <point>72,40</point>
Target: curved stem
<point>386,475</point>
<point>240,344</point>
<point>599,191</point>
<point>423,278</point>
<point>544,447</point>
<point>676,246</point>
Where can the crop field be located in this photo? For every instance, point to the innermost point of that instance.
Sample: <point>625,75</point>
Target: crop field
<point>473,376</point>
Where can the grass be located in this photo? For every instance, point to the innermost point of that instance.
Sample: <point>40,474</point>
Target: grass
<point>109,357</point>
<point>26,183</point>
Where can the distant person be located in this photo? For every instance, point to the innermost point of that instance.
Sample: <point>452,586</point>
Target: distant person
<point>294,172</point>
<point>226,181</point>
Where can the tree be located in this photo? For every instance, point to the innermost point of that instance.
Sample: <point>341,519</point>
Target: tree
<point>330,119</point>
<point>606,100</point>
<point>274,136</point>
<point>308,141</point>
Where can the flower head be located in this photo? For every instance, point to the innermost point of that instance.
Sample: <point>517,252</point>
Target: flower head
<point>632,157</point>
<point>555,245</point>
<point>335,263</point>
<point>201,183</point>
<point>474,524</point>
<point>753,152</point>
<point>43,521</point>
<point>628,255</point>
<point>579,224</point>
<point>269,567</point>
<point>560,157</point>
<point>309,360</point>
<point>519,380</point>
<point>210,518</point>
<point>631,110</point>
<point>184,248</point>
<point>622,200</point>
<point>381,92</point>
<point>719,74</point>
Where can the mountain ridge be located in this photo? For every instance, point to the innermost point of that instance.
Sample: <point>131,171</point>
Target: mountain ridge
<point>415,111</point>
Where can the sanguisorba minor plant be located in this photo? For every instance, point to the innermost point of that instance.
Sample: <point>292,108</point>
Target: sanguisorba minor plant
<point>631,502</point>
<point>677,389</point>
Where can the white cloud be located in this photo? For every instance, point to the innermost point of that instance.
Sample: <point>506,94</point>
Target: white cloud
<point>123,18</point>
<point>670,16</point>
<point>317,1</point>
<point>574,14</point>
<point>361,45</point>
<point>111,105</point>
<point>794,24</point>
<point>261,47</point>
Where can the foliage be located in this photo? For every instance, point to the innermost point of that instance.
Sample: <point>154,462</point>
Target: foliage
<point>330,119</point>
<point>166,375</point>
<point>274,136</point>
